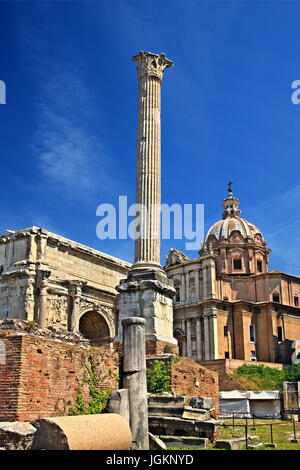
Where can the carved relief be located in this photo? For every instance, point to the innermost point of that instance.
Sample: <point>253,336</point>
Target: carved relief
<point>175,257</point>
<point>58,310</point>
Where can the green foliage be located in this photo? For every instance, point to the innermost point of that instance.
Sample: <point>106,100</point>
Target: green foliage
<point>265,378</point>
<point>30,326</point>
<point>159,376</point>
<point>293,373</point>
<point>97,394</point>
<point>260,377</point>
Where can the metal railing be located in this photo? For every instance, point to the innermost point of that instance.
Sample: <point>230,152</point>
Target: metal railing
<point>255,425</point>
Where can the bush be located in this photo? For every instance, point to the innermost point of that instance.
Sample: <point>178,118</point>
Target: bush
<point>260,377</point>
<point>159,376</point>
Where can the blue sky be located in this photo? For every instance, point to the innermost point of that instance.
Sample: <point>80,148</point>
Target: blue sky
<point>68,130</point>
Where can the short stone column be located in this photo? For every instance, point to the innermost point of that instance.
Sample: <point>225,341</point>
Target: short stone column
<point>43,299</point>
<point>75,294</point>
<point>135,380</point>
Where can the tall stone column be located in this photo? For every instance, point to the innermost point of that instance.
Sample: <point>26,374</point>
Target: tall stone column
<point>147,292</point>
<point>150,68</point>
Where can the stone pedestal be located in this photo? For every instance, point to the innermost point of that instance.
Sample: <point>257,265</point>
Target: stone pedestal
<point>150,296</point>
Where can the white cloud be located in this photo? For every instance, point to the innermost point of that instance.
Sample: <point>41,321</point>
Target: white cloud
<point>72,159</point>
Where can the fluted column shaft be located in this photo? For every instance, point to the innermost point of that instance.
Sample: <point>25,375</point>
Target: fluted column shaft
<point>148,177</point>
<point>150,69</point>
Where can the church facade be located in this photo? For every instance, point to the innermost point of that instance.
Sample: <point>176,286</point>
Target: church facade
<point>227,303</point>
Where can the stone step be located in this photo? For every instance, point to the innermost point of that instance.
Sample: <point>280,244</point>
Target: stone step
<point>182,442</point>
<point>178,411</point>
<point>168,400</point>
<point>173,426</point>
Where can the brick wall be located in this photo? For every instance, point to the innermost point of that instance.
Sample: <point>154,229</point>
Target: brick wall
<point>41,376</point>
<point>186,373</point>
<point>10,369</point>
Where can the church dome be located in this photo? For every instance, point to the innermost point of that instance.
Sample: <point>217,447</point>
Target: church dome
<point>232,221</point>
<point>238,245</point>
<point>224,227</point>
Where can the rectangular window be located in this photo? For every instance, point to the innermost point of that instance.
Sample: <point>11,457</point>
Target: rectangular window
<point>279,333</point>
<point>177,294</point>
<point>259,266</point>
<point>237,263</point>
<point>252,356</point>
<point>296,301</point>
<point>225,330</point>
<point>252,333</point>
<point>226,354</point>
<point>275,298</point>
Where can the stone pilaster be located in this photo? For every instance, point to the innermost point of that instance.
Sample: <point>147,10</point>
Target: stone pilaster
<point>206,338</point>
<point>44,275</point>
<point>75,294</point>
<point>189,338</point>
<point>199,339</point>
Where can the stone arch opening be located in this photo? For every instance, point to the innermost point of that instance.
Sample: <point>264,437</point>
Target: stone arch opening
<point>93,326</point>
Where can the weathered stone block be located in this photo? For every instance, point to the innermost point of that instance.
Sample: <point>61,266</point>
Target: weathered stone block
<point>201,402</point>
<point>118,402</point>
<point>16,435</point>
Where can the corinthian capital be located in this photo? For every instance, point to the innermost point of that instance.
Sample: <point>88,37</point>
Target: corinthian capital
<point>151,65</point>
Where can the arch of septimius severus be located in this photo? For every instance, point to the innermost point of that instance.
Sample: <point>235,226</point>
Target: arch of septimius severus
<point>223,304</point>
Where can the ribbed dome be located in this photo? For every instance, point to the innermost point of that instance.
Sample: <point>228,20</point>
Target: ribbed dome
<point>223,228</point>
<point>232,221</point>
